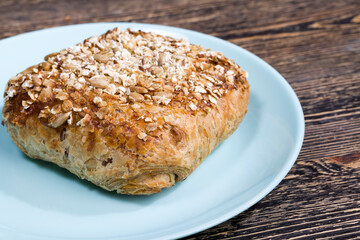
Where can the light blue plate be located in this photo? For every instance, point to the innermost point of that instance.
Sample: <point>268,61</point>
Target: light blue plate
<point>41,201</point>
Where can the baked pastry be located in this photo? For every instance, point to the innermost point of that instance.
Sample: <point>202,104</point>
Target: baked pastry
<point>129,111</point>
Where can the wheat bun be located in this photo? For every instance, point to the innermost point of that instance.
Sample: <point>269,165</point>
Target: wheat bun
<point>130,111</point>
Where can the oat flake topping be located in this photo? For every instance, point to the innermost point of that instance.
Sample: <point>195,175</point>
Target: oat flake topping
<point>93,81</point>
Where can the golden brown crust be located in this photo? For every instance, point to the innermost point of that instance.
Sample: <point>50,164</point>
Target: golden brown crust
<point>128,111</point>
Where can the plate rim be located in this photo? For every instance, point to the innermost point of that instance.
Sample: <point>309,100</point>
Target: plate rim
<point>285,168</point>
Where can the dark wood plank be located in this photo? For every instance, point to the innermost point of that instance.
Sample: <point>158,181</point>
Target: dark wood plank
<point>315,45</point>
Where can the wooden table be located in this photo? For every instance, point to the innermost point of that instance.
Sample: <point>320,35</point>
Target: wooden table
<point>315,45</point>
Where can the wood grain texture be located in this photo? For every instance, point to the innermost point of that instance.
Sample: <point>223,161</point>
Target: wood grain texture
<point>315,45</point>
